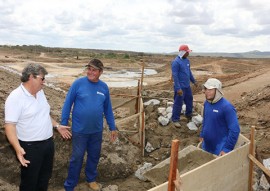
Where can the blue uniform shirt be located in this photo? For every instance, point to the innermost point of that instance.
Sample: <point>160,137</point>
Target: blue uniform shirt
<point>220,128</point>
<point>181,73</point>
<point>90,101</point>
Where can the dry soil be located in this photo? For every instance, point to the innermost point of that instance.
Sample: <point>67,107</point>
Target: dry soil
<point>245,82</point>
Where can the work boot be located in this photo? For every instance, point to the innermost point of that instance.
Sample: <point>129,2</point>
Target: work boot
<point>177,124</point>
<point>94,186</point>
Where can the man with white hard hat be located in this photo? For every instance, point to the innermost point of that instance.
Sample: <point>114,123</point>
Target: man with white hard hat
<point>220,128</point>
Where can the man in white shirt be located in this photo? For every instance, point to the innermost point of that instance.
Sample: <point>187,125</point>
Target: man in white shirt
<point>29,129</point>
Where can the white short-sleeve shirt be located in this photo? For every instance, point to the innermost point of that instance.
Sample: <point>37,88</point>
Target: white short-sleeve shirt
<point>31,115</point>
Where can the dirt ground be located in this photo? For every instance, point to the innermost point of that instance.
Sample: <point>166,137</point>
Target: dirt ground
<point>246,84</point>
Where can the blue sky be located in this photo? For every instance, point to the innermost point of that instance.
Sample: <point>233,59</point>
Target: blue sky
<point>157,26</point>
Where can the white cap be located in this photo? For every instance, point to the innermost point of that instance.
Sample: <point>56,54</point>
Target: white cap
<point>213,83</point>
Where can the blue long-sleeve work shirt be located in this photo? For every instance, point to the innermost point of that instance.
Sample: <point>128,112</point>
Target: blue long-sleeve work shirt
<point>90,101</point>
<point>182,75</point>
<point>220,128</point>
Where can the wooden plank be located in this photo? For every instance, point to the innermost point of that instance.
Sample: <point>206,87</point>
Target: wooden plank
<point>127,131</point>
<point>120,105</point>
<point>260,165</point>
<point>173,164</point>
<point>123,95</point>
<point>127,119</point>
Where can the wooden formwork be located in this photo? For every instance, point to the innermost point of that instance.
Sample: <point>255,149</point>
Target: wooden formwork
<point>227,173</point>
<point>134,103</point>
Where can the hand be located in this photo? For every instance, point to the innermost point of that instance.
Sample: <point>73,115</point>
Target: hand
<point>113,135</point>
<point>222,153</point>
<point>180,92</point>
<point>21,158</point>
<point>196,84</point>
<point>64,131</point>
<point>177,182</point>
<point>200,143</point>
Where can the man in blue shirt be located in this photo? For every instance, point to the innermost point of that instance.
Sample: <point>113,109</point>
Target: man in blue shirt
<point>89,99</point>
<point>220,128</point>
<point>182,76</point>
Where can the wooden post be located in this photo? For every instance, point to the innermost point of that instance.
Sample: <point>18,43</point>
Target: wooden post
<point>142,74</point>
<point>142,132</point>
<point>137,107</point>
<point>251,152</point>
<point>173,164</point>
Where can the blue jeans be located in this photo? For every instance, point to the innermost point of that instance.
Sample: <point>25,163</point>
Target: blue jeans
<point>91,143</point>
<point>187,97</point>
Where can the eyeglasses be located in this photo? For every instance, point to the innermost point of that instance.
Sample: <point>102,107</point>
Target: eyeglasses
<point>42,78</point>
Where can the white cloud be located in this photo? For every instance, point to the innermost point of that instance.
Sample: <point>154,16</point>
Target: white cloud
<point>148,26</point>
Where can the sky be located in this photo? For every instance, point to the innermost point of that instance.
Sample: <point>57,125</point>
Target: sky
<point>154,26</point>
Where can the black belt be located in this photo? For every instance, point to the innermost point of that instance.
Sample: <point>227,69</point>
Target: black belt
<point>37,142</point>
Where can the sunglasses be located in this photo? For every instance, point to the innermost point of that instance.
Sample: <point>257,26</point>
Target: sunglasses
<point>42,78</point>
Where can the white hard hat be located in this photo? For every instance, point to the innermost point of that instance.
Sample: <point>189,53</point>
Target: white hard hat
<point>213,83</point>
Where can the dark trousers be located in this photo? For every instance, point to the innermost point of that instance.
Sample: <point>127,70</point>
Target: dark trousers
<point>36,176</point>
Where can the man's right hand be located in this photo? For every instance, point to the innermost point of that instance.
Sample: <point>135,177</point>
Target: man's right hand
<point>64,131</point>
<point>180,92</point>
<point>20,155</point>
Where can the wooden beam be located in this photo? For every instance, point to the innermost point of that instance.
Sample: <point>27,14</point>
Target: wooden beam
<point>260,165</point>
<point>124,95</point>
<point>173,164</point>
<point>115,107</point>
<point>251,152</point>
<point>127,131</point>
<point>127,119</point>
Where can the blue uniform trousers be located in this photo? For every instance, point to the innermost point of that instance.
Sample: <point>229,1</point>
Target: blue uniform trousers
<point>91,143</point>
<point>187,97</point>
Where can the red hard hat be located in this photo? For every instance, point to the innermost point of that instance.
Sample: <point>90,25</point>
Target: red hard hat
<point>184,47</point>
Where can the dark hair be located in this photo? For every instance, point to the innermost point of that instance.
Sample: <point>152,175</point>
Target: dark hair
<point>34,69</point>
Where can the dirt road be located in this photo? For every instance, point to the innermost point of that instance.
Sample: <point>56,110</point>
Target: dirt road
<point>236,90</point>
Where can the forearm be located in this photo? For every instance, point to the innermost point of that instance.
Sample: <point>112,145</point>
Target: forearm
<point>192,79</point>
<point>54,123</point>
<point>11,134</point>
<point>231,141</point>
<point>65,113</point>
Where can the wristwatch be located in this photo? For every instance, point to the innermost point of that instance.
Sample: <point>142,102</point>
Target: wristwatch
<point>56,126</point>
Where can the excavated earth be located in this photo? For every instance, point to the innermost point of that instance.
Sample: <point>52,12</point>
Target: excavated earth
<point>246,84</point>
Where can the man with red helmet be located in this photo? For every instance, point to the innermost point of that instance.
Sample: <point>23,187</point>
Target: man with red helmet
<point>182,76</point>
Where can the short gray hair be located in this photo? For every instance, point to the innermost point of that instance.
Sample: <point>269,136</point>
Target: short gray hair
<point>34,69</point>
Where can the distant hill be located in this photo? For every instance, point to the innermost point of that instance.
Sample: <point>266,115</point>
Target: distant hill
<point>251,54</point>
